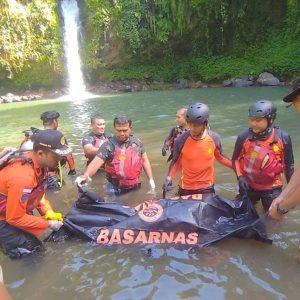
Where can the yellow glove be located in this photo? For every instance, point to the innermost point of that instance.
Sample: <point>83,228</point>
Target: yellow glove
<point>54,216</point>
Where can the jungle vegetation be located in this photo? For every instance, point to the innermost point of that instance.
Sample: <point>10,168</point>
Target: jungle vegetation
<point>164,40</point>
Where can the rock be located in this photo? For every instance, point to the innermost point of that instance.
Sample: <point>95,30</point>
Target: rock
<point>242,82</point>
<point>137,87</point>
<point>9,95</point>
<point>227,83</point>
<point>199,84</point>
<point>215,85</point>
<point>125,89</point>
<point>17,99</point>
<point>267,79</point>
<point>25,98</point>
<point>7,99</point>
<point>183,83</point>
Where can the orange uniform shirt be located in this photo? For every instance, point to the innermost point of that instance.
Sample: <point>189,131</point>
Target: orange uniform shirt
<point>196,162</point>
<point>16,181</point>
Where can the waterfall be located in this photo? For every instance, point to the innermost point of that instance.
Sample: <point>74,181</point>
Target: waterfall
<point>70,12</point>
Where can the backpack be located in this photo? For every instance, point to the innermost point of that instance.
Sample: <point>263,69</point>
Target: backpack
<point>11,156</point>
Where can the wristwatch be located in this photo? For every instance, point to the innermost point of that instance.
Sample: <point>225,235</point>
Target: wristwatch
<point>281,210</point>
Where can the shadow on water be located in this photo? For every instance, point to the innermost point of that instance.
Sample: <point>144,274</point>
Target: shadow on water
<point>231,269</point>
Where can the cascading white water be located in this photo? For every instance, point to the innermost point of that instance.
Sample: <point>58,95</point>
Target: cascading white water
<point>70,13</point>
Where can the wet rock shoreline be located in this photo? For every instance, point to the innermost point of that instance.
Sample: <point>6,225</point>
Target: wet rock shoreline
<point>148,84</point>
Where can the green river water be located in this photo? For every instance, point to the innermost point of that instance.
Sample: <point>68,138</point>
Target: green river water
<point>230,269</point>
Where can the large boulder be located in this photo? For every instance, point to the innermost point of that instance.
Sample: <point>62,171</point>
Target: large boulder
<point>267,79</point>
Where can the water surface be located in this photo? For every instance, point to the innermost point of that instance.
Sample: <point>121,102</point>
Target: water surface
<point>231,269</point>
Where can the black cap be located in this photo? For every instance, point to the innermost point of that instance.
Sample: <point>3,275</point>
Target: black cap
<point>49,115</point>
<point>53,140</point>
<point>296,91</point>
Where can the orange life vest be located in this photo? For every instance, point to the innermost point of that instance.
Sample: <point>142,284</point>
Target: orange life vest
<point>260,165</point>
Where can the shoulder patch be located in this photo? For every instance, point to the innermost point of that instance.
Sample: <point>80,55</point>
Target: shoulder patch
<point>26,193</point>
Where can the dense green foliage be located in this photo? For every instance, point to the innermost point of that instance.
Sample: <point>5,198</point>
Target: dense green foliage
<point>278,56</point>
<point>207,40</point>
<point>29,38</point>
<point>198,39</point>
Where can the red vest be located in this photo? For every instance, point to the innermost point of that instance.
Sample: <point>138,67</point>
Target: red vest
<point>261,166</point>
<point>98,142</point>
<point>126,166</point>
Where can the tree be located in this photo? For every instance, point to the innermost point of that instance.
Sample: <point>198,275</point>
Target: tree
<point>29,32</point>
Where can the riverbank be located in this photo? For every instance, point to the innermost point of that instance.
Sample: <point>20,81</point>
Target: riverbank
<point>147,84</point>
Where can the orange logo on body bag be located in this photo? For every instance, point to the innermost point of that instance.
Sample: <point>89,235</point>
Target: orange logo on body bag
<point>150,211</point>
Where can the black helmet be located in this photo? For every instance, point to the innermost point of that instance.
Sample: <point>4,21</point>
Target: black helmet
<point>49,115</point>
<point>263,109</point>
<point>296,91</point>
<point>197,113</point>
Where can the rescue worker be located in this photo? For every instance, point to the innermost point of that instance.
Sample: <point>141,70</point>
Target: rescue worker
<point>290,196</point>
<point>124,158</point>
<point>23,180</point>
<point>50,121</point>
<point>175,132</point>
<point>194,153</point>
<point>95,139</point>
<point>27,143</point>
<point>261,154</point>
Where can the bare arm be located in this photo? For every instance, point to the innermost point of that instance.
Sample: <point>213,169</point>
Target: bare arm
<point>4,295</point>
<point>147,166</point>
<point>90,151</point>
<point>289,197</point>
<point>222,159</point>
<point>93,167</point>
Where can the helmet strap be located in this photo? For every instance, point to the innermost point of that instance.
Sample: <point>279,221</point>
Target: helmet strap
<point>263,135</point>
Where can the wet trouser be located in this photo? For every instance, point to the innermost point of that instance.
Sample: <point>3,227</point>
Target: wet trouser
<point>266,196</point>
<point>204,192</point>
<point>119,190</point>
<point>17,243</point>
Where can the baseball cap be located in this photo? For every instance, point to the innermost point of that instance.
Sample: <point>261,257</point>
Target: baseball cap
<point>53,140</point>
<point>49,115</point>
<point>296,91</point>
